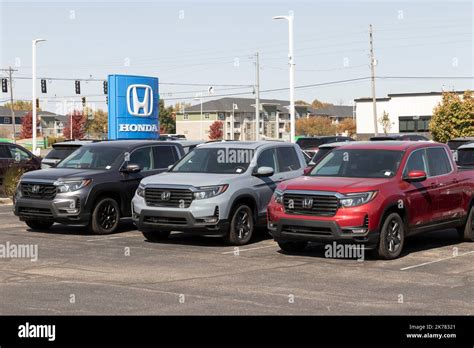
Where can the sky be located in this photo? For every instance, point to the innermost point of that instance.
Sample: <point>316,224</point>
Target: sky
<point>191,45</point>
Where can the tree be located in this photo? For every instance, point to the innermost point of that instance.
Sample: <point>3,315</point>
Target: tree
<point>385,122</point>
<point>167,118</point>
<point>301,102</point>
<point>348,125</point>
<point>453,117</point>
<point>79,121</point>
<point>317,125</point>
<point>20,105</point>
<point>215,130</point>
<point>26,131</point>
<point>98,125</point>
<point>317,104</point>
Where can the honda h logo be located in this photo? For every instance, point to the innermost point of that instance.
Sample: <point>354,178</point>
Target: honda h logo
<point>307,203</point>
<point>35,188</point>
<point>165,196</point>
<point>134,104</point>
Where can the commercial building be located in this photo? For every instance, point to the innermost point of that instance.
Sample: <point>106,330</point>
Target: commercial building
<point>407,112</point>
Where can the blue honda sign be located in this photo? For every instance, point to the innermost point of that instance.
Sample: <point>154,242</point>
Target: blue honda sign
<point>133,107</point>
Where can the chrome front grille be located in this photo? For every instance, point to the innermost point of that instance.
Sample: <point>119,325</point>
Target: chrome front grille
<point>308,204</point>
<point>163,197</point>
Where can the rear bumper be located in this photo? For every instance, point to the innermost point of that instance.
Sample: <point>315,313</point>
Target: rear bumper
<point>321,231</point>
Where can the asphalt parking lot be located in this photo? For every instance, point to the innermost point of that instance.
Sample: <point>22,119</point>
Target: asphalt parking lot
<point>79,273</point>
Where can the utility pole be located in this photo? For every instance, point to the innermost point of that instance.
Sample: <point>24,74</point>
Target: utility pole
<point>10,73</point>
<point>257,98</point>
<point>372,78</point>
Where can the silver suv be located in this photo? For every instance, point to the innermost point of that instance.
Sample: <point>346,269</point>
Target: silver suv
<point>219,189</point>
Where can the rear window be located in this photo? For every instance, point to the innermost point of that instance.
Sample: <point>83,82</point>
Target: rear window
<point>165,156</point>
<point>466,157</point>
<point>61,152</point>
<point>438,161</point>
<point>454,144</point>
<point>307,143</point>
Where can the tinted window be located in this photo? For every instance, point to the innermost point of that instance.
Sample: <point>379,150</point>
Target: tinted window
<point>267,159</point>
<point>287,159</point>
<point>61,152</point>
<point>143,157</point>
<point>18,154</point>
<point>466,157</point>
<point>438,161</point>
<point>321,154</point>
<point>416,161</point>
<point>165,156</point>
<point>4,153</point>
<point>308,142</point>
<point>359,164</point>
<point>92,157</point>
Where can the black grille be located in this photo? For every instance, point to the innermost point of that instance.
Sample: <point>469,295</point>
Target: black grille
<point>164,220</point>
<point>38,191</point>
<point>321,205</point>
<point>366,221</point>
<point>311,230</point>
<point>27,211</point>
<point>159,197</point>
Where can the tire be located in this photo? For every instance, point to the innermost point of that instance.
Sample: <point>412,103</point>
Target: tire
<point>156,236</point>
<point>392,237</point>
<point>105,216</point>
<point>241,226</point>
<point>292,247</point>
<point>39,225</point>
<point>466,232</point>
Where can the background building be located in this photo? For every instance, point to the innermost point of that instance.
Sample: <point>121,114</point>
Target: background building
<point>408,112</point>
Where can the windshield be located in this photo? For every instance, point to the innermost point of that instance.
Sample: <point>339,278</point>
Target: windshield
<point>215,160</point>
<point>61,152</point>
<point>354,163</point>
<point>91,157</point>
<point>466,157</point>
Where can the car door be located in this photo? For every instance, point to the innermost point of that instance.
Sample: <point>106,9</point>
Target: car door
<point>421,196</point>
<point>449,191</point>
<point>264,186</point>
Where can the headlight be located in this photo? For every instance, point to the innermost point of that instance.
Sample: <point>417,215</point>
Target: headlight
<point>356,199</point>
<point>73,185</point>
<point>209,191</point>
<point>278,196</point>
<point>141,190</point>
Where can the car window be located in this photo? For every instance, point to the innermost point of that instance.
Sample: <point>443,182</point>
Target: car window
<point>267,159</point>
<point>61,152</point>
<point>287,159</point>
<point>18,154</point>
<point>466,157</point>
<point>92,157</point>
<point>4,153</point>
<point>416,161</point>
<point>438,161</point>
<point>143,157</point>
<point>165,156</point>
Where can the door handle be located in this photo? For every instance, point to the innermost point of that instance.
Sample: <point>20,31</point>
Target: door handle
<point>434,185</point>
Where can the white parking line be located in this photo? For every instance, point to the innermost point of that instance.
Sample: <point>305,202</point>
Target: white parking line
<point>435,261</point>
<point>240,250</point>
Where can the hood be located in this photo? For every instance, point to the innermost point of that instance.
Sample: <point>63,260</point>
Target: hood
<point>192,179</point>
<point>334,184</point>
<point>53,174</point>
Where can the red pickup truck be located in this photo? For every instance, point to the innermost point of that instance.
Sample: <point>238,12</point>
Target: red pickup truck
<point>375,194</point>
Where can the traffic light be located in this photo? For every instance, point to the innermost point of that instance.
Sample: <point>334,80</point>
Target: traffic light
<point>4,86</point>
<point>37,103</point>
<point>43,86</point>
<point>105,87</point>
<point>83,102</point>
<point>107,100</point>
<point>78,87</point>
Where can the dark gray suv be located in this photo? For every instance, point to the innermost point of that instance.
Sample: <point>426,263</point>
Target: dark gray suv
<point>93,186</point>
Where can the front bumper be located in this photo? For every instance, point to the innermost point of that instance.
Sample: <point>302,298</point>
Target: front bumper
<point>67,209</point>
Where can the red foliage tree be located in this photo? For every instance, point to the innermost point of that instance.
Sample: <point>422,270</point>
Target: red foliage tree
<point>79,121</point>
<point>26,131</point>
<point>215,130</point>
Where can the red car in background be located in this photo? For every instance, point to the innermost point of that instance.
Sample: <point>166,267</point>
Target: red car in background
<point>375,194</point>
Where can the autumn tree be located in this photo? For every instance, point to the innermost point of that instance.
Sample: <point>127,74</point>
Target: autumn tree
<point>26,131</point>
<point>317,104</point>
<point>167,118</point>
<point>20,105</point>
<point>347,126</point>
<point>79,121</point>
<point>316,125</point>
<point>385,122</point>
<point>215,130</point>
<point>98,125</point>
<point>453,117</point>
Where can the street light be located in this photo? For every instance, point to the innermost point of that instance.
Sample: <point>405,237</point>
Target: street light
<point>292,74</point>
<point>33,100</point>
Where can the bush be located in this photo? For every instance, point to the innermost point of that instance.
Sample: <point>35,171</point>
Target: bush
<point>53,140</point>
<point>10,180</point>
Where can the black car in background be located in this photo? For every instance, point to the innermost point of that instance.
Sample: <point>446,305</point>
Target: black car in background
<point>400,137</point>
<point>93,186</point>
<point>306,143</point>
<point>13,155</point>
<point>60,151</point>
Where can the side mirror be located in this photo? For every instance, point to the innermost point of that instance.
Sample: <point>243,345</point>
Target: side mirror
<point>131,168</point>
<point>415,176</point>
<point>264,171</point>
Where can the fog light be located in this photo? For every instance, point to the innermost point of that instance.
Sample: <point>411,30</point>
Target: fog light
<point>359,230</point>
<point>211,219</point>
